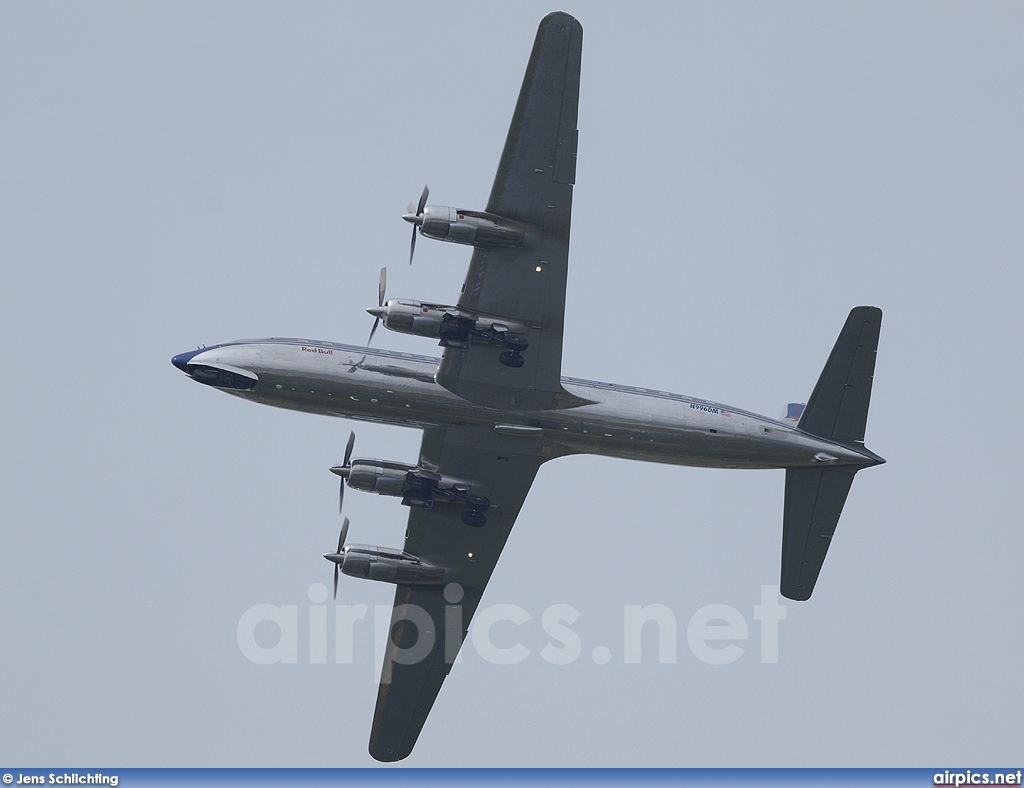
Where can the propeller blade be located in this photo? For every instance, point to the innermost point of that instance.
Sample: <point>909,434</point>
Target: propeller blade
<point>419,214</point>
<point>379,310</point>
<point>349,446</point>
<point>341,495</point>
<point>341,544</point>
<point>343,534</point>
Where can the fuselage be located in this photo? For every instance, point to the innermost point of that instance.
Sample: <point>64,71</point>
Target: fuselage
<point>398,388</point>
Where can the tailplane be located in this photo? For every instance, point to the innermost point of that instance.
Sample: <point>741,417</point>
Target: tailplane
<point>814,501</point>
<point>838,408</point>
<point>836,411</point>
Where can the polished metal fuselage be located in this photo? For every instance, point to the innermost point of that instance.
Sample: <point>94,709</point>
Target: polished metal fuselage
<point>621,421</point>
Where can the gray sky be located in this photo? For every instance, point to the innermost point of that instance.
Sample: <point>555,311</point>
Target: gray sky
<point>186,173</point>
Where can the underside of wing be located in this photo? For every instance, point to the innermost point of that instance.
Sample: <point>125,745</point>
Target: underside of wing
<point>525,284</point>
<point>424,639</point>
<point>429,623</point>
<point>539,157</point>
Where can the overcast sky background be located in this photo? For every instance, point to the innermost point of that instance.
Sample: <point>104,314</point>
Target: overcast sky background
<point>181,173</point>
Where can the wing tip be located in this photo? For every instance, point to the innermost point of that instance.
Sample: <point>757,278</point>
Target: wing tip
<point>558,16</point>
<point>387,754</point>
<point>797,593</point>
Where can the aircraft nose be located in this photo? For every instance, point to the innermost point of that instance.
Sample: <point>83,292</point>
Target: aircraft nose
<point>181,360</point>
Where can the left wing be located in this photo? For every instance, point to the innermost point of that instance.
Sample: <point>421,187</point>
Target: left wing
<point>533,187</point>
<point>429,623</point>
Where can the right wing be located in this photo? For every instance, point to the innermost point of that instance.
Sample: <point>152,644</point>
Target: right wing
<point>418,656</point>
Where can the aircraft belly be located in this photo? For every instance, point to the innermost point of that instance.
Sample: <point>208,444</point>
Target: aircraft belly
<point>668,429</point>
<point>688,447</point>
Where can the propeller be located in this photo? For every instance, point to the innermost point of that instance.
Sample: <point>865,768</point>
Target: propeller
<point>416,219</point>
<point>344,469</point>
<point>337,564</point>
<point>379,309</point>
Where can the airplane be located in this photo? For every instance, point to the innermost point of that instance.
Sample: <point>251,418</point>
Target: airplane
<point>495,406</point>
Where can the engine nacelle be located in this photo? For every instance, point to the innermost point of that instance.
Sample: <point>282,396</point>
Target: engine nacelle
<point>387,565</point>
<point>470,227</point>
<point>418,487</point>
<point>383,477</point>
<point>414,317</point>
<point>454,327</point>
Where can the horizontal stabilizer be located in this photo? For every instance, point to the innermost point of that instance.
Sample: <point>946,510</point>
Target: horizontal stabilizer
<point>814,501</point>
<point>838,408</point>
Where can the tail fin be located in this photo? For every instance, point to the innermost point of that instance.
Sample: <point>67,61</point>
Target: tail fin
<point>838,411</point>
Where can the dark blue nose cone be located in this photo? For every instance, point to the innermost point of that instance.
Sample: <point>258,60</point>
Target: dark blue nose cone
<point>181,360</point>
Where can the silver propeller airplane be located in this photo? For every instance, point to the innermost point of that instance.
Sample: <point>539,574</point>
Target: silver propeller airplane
<point>496,406</point>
